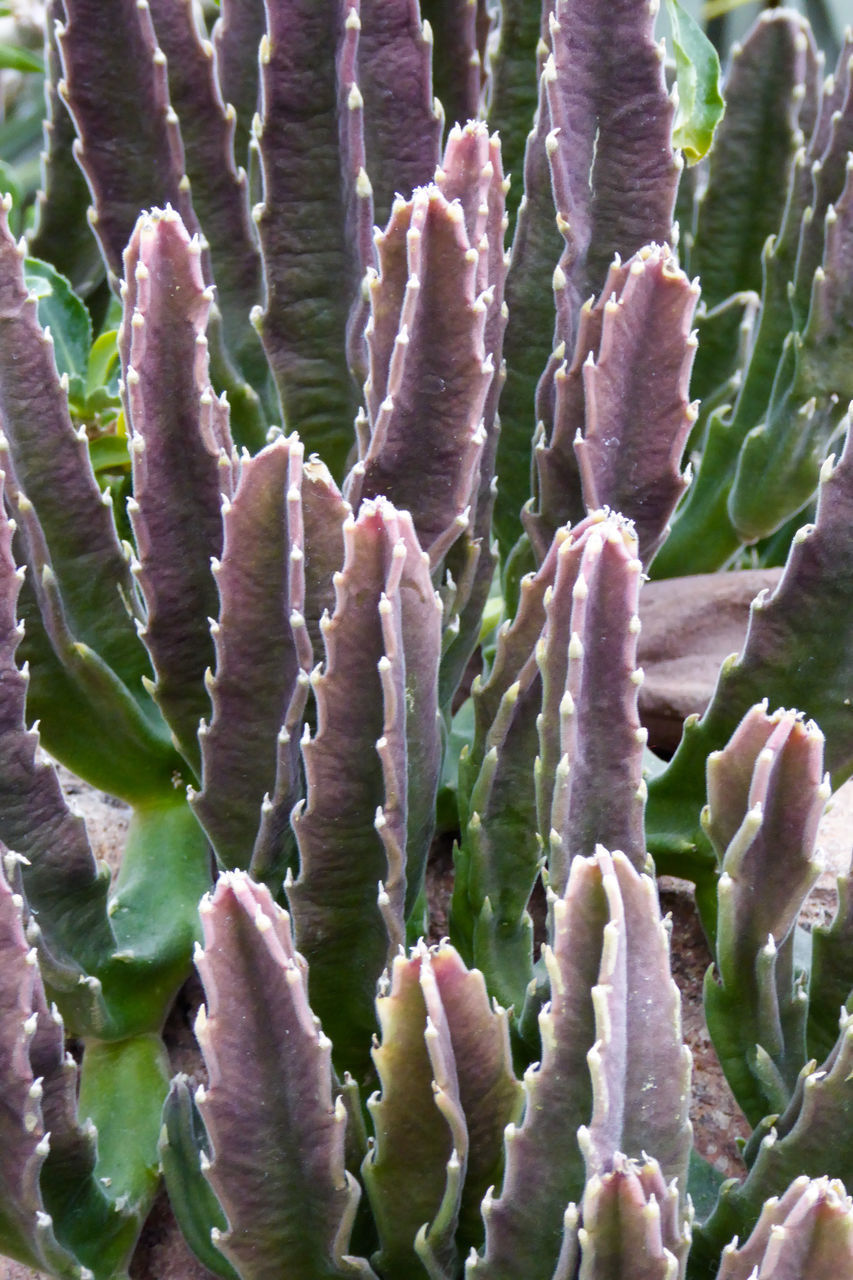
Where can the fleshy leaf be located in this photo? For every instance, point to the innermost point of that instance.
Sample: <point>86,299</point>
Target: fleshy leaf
<point>630,462</point>
<point>51,1181</point>
<point>316,514</point>
<point>278,1153</point>
<point>428,386</point>
<point>50,463</point>
<point>457,65</point>
<point>489,1093</point>
<point>743,204</point>
<point>639,1065</point>
<point>697,67</point>
<point>608,965</point>
<point>589,774</point>
<point>614,171</point>
<point>177,430</point>
<point>604,124</point>
<point>630,1224</point>
<point>790,654</point>
<point>115,71</point>
<point>513,85</point>
<point>414,1172</point>
<point>472,172</point>
<point>402,119</point>
<point>184,1146</point>
<point>544,1169</point>
<point>35,820</point>
<point>236,36</point>
<point>806,1232</point>
<point>62,234</point>
<point>624,439</point>
<point>811,1138</point>
<point>301,224</point>
<point>361,820</point>
<point>766,793</point>
<point>515,645</point>
<point>324,513</point>
<point>258,656</point>
<point>500,852</point>
<point>529,341</point>
<point>65,315</point>
<point>447,1092</point>
<point>27,1231</point>
<point>219,188</point>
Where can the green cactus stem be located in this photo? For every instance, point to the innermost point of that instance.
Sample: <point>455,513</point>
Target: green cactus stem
<point>770,106</point>
<point>704,535</point>
<point>790,654</point>
<point>808,1231</point>
<point>831,974</point>
<point>447,1092</point>
<point>766,793</point>
<point>184,1147</point>
<point>813,388</point>
<point>809,1138</point>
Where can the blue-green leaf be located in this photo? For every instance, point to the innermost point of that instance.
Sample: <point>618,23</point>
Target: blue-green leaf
<point>697,71</point>
<point>70,326</point>
<point>13,58</point>
<point>109,453</point>
<point>104,366</point>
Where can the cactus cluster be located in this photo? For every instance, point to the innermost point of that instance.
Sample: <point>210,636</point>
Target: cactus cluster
<point>295,506</point>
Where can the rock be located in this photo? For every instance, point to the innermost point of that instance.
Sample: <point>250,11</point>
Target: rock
<point>689,626</point>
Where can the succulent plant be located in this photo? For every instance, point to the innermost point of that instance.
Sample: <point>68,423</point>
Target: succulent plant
<point>321,503</point>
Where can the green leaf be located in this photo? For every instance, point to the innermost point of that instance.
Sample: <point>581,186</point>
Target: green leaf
<point>69,322</point>
<point>104,367</point>
<point>13,58</point>
<point>109,453</point>
<point>697,70</point>
<point>703,1184</point>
